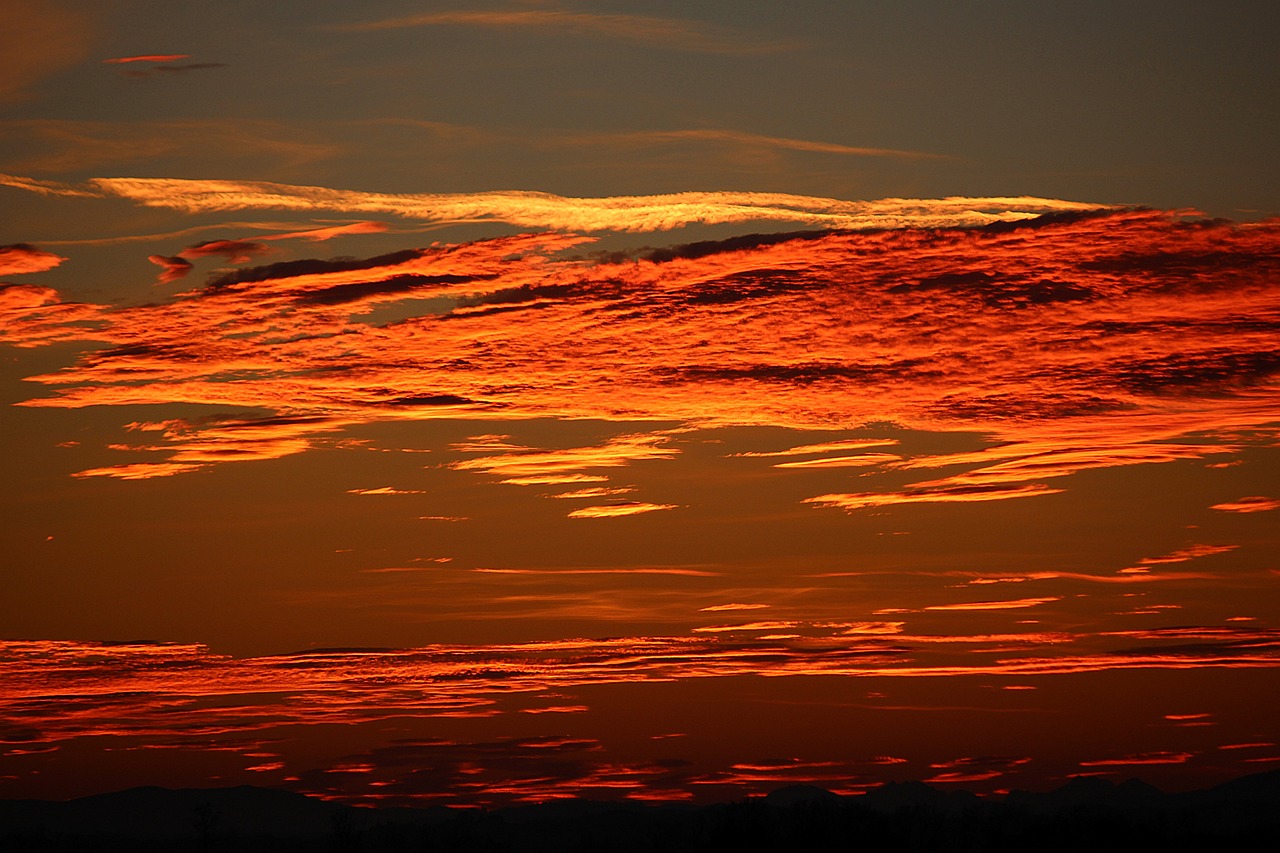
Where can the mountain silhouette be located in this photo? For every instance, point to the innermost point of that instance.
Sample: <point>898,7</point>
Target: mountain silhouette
<point>1085,813</point>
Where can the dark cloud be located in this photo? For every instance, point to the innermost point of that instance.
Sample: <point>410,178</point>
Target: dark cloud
<point>997,290</point>
<point>312,266</point>
<point>341,294</point>
<point>707,248</point>
<point>1217,369</point>
<point>235,251</point>
<point>172,268</point>
<point>1180,263</point>
<point>802,374</point>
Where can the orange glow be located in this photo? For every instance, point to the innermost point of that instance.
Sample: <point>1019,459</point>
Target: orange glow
<point>702,404</point>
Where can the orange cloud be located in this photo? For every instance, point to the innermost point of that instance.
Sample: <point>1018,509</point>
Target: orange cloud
<point>619,508</point>
<point>861,461</point>
<point>544,210</point>
<point>524,465</point>
<point>172,268</point>
<point>1182,555</point>
<point>317,235</point>
<point>824,447</point>
<point>1016,604</point>
<point>1254,503</point>
<point>697,573</point>
<point>169,695</point>
<point>950,494</point>
<point>1142,758</point>
<point>233,251</point>
<point>597,492</point>
<point>21,259</point>
<point>18,299</point>
<point>139,470</point>
<point>872,628</point>
<point>746,626</point>
<point>1075,342</point>
<point>960,776</point>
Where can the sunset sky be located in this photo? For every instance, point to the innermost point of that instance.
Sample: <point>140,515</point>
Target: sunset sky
<point>484,403</point>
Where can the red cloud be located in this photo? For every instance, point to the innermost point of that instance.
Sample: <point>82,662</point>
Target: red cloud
<point>148,57</point>
<point>234,251</point>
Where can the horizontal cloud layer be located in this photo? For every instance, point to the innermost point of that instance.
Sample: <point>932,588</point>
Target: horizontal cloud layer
<point>1081,340</point>
<point>544,210</point>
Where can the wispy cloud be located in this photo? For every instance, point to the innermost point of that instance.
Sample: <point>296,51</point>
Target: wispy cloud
<point>1016,604</point>
<point>674,33</point>
<point>694,573</point>
<point>1167,757</point>
<point>950,494</point>
<point>737,139</point>
<point>618,508</point>
<point>823,447</point>
<point>1253,503</point>
<point>385,490</point>
<point>156,693</point>
<point>525,465</point>
<point>544,210</point>
<point>67,145</point>
<point>147,57</point>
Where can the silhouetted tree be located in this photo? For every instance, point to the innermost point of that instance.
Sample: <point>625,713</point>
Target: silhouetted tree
<point>345,837</point>
<point>206,820</point>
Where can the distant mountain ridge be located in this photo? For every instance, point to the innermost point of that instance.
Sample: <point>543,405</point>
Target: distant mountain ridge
<point>1088,811</point>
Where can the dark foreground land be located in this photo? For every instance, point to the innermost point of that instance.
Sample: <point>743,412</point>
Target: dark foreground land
<point>1084,816</point>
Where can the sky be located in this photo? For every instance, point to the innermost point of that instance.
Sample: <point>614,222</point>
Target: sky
<point>488,403</point>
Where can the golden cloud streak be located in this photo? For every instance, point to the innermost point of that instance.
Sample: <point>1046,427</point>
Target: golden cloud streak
<point>621,508</point>
<point>544,210</point>
<point>1016,604</point>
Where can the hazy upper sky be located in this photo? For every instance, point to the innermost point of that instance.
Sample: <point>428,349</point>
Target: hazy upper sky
<point>482,403</point>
